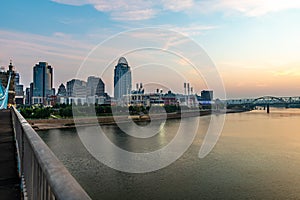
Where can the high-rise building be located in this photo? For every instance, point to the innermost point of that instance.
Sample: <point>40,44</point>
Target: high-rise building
<point>76,88</point>
<point>95,86</point>
<point>17,79</point>
<point>100,89</point>
<point>62,90</point>
<point>42,83</point>
<point>19,90</point>
<point>122,79</point>
<point>27,96</point>
<point>207,95</point>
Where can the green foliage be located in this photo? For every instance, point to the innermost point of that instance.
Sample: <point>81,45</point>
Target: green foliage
<point>41,113</point>
<point>26,112</point>
<point>66,111</point>
<point>103,110</point>
<point>35,113</point>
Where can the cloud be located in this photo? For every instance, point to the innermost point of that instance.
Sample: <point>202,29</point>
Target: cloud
<point>194,29</point>
<point>121,10</point>
<point>133,15</point>
<point>62,35</point>
<point>287,72</point>
<point>133,10</point>
<point>282,73</point>
<point>60,50</point>
<point>72,2</point>
<point>177,5</point>
<point>248,8</point>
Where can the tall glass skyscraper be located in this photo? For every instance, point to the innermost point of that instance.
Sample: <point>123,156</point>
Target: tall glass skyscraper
<point>42,82</point>
<point>122,79</point>
<point>95,86</point>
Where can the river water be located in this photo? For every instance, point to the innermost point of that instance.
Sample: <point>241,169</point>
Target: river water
<point>257,157</point>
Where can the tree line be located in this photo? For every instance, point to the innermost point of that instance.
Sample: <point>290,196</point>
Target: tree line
<point>66,111</point>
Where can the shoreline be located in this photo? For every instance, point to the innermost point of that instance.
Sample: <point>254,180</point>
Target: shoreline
<point>47,124</point>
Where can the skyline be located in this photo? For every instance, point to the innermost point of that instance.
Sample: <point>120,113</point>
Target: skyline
<point>254,45</point>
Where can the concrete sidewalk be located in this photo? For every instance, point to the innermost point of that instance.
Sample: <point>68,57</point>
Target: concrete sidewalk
<point>9,179</point>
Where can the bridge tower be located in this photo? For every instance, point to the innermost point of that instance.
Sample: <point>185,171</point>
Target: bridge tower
<point>4,77</point>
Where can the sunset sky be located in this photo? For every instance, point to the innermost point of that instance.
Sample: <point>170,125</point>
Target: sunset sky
<point>255,45</point>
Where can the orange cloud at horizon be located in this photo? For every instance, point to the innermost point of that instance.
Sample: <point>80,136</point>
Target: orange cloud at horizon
<point>251,82</point>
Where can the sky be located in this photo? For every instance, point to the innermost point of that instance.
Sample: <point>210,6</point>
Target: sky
<point>253,45</point>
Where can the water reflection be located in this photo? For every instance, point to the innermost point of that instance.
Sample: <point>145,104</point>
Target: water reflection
<point>256,157</point>
<point>133,144</point>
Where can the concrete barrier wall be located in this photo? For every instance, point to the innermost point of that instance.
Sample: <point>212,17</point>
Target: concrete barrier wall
<point>43,175</point>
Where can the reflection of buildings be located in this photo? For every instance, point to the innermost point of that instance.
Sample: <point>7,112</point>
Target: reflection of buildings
<point>122,79</point>
<point>42,83</point>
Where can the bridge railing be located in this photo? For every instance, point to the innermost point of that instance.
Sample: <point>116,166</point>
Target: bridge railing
<point>43,175</point>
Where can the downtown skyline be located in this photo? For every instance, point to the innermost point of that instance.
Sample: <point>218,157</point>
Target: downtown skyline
<point>254,45</point>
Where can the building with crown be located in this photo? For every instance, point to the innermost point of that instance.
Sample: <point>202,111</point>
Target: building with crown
<point>122,79</point>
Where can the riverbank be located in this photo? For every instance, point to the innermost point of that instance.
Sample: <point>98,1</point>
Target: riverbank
<point>45,124</point>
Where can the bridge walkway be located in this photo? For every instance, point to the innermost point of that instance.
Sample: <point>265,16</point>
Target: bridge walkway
<point>9,178</point>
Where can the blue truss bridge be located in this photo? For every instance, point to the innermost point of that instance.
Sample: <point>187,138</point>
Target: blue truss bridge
<point>4,94</point>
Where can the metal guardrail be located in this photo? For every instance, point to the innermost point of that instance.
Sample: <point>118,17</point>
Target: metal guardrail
<point>43,175</point>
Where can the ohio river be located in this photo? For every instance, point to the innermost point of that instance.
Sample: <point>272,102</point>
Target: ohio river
<point>257,157</point>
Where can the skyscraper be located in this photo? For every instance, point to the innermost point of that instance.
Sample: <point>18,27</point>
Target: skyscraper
<point>95,86</point>
<point>42,82</point>
<point>19,90</point>
<point>62,90</point>
<point>27,96</point>
<point>100,89</point>
<point>207,95</point>
<point>122,79</point>
<point>76,88</point>
<point>17,79</point>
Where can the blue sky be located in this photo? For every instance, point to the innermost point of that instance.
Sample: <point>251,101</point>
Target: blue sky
<point>254,44</point>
